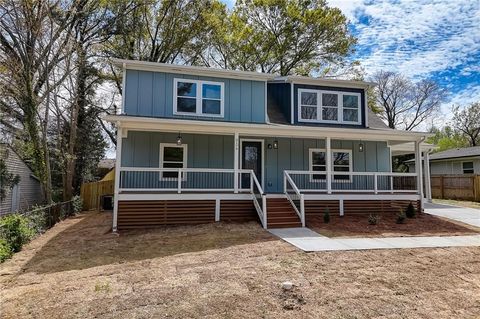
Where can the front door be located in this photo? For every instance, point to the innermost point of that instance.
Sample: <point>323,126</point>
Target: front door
<point>251,159</point>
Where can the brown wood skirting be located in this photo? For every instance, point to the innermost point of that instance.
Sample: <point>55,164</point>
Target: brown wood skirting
<point>377,206</point>
<point>316,208</point>
<point>143,214</point>
<point>237,211</point>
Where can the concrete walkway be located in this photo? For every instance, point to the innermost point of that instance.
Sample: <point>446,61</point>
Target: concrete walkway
<point>465,215</point>
<point>308,240</point>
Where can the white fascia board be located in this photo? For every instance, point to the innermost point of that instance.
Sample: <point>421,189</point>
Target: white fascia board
<point>325,82</point>
<point>194,70</point>
<point>249,129</point>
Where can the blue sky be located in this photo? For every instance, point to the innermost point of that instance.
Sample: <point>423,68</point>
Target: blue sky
<point>438,39</point>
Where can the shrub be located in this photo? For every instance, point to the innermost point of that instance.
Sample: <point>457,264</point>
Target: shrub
<point>326,216</point>
<point>38,219</point>
<point>77,204</point>
<point>5,250</point>
<point>373,219</point>
<point>15,230</point>
<point>401,217</point>
<point>410,211</point>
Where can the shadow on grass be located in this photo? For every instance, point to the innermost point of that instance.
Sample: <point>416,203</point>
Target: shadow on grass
<point>89,242</point>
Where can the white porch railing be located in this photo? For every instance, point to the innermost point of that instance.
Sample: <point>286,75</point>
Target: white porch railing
<point>194,180</point>
<point>294,196</point>
<point>362,182</point>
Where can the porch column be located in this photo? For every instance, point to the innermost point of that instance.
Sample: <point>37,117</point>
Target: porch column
<point>418,169</point>
<point>236,157</point>
<point>428,186</point>
<point>328,164</point>
<point>118,161</point>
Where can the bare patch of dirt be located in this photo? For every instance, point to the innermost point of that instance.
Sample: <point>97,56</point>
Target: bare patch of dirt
<point>78,269</point>
<point>356,225</point>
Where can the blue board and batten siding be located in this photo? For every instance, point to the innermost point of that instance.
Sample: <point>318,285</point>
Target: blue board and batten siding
<point>142,149</point>
<point>151,94</point>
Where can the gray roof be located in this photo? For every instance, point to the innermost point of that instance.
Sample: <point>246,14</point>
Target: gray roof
<point>457,152</point>
<point>374,121</point>
<point>453,153</point>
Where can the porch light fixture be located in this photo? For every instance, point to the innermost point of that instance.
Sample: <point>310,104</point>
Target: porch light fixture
<point>179,139</point>
<point>360,147</point>
<point>275,144</point>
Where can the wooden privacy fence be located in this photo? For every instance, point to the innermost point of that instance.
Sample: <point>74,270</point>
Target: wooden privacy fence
<point>465,187</point>
<point>91,193</point>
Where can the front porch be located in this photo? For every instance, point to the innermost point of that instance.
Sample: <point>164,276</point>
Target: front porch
<point>148,198</point>
<point>189,176</point>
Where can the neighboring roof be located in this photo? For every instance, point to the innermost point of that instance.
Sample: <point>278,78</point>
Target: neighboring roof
<point>454,153</point>
<point>324,81</point>
<point>107,163</point>
<point>198,70</point>
<point>457,152</point>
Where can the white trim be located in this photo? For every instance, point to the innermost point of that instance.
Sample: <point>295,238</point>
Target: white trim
<point>263,156</point>
<point>365,107</point>
<point>198,97</point>
<point>161,160</point>
<point>139,123</point>
<point>118,166</point>
<point>183,196</point>
<point>333,150</point>
<point>340,108</point>
<point>217,209</point>
<point>463,170</point>
<point>361,196</point>
<point>236,157</point>
<point>124,85</point>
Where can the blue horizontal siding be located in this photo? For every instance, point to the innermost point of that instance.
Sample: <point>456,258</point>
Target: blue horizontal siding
<point>151,94</point>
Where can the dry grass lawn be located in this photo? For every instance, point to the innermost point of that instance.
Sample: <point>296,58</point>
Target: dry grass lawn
<point>79,269</point>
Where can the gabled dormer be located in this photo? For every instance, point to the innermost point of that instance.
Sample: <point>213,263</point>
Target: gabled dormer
<point>310,101</point>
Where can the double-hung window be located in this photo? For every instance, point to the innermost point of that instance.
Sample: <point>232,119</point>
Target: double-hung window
<point>467,167</point>
<point>328,106</point>
<point>341,162</point>
<point>172,156</point>
<point>199,98</point>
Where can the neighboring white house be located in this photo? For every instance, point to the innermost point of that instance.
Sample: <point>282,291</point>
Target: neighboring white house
<point>453,162</point>
<point>27,192</point>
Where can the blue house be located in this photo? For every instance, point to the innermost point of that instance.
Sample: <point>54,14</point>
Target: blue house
<point>202,145</point>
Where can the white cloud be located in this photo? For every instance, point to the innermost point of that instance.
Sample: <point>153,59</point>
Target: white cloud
<point>415,38</point>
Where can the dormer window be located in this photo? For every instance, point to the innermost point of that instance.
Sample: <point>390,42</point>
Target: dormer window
<point>328,106</point>
<point>198,98</point>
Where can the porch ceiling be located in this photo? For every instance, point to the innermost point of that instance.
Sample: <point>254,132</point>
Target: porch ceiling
<point>256,129</point>
<point>402,148</point>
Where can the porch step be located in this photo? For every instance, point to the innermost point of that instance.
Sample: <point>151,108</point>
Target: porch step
<point>281,214</point>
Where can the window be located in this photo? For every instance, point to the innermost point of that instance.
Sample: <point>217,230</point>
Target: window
<point>172,156</point>
<point>200,98</point>
<point>467,167</point>
<point>328,106</point>
<point>341,162</point>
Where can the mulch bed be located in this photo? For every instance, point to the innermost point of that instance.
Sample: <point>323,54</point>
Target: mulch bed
<point>356,225</point>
